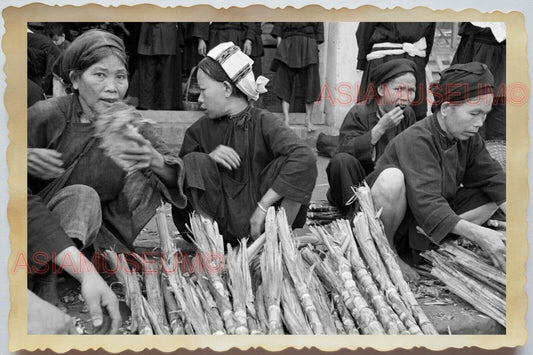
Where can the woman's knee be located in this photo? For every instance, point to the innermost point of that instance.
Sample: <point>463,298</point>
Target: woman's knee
<point>390,184</point>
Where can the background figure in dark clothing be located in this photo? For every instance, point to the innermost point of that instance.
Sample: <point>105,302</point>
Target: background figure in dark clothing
<point>380,42</point>
<point>42,53</point>
<point>296,64</point>
<point>369,127</point>
<point>159,66</point>
<point>246,35</point>
<point>485,43</point>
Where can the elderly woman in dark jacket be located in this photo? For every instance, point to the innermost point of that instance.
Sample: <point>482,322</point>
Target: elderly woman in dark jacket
<point>89,193</point>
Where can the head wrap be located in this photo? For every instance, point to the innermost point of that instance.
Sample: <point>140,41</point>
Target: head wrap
<point>238,66</point>
<point>75,56</point>
<point>387,71</point>
<point>460,82</point>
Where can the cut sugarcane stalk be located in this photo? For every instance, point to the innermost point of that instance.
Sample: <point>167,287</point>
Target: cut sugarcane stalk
<point>296,270</point>
<point>379,272</point>
<point>390,259</point>
<point>272,273</point>
<point>387,316</point>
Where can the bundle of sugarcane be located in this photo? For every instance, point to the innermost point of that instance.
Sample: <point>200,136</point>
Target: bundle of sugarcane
<point>363,313</point>
<point>393,325</point>
<point>260,309</point>
<point>377,232</point>
<point>210,243</point>
<point>240,284</point>
<point>154,304</point>
<point>117,128</point>
<point>297,272</point>
<point>134,298</point>
<point>380,274</point>
<point>209,306</point>
<point>482,297</point>
<point>187,300</point>
<point>473,265</point>
<point>272,274</point>
<point>293,315</point>
<point>334,285</point>
<point>174,313</point>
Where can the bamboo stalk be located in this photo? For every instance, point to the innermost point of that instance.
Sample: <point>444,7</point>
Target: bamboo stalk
<point>154,294</point>
<point>272,273</point>
<point>365,315</point>
<point>389,257</point>
<point>379,272</point>
<point>172,310</point>
<point>296,270</point>
<point>388,318</point>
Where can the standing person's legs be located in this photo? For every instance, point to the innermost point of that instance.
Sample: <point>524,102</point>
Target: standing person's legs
<point>283,88</point>
<point>311,78</point>
<point>147,81</point>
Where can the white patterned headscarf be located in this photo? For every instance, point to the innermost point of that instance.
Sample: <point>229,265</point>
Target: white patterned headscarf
<point>238,66</point>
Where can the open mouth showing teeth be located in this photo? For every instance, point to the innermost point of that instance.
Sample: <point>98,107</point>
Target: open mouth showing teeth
<point>109,100</point>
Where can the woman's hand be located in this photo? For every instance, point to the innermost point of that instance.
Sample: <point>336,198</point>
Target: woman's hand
<point>97,294</point>
<point>44,163</point>
<point>257,223</point>
<point>143,156</point>
<point>491,242</point>
<point>202,47</point>
<point>247,47</point>
<point>226,157</point>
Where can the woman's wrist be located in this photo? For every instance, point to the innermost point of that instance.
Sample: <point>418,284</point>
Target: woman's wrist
<point>262,207</point>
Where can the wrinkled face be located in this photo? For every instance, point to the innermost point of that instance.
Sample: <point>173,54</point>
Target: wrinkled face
<point>463,120</point>
<point>100,85</point>
<point>399,91</point>
<point>213,95</point>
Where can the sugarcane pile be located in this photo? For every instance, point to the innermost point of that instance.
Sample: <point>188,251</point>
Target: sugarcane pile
<point>338,280</point>
<point>469,275</point>
<point>322,212</point>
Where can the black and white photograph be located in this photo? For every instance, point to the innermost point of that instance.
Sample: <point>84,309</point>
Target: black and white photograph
<point>269,178</point>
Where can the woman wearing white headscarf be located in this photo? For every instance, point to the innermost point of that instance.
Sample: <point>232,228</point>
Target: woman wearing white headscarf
<point>240,160</point>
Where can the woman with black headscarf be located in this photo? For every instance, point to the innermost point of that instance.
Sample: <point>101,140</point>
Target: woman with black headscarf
<point>89,193</point>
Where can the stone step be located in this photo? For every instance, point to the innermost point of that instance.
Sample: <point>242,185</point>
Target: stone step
<point>171,125</point>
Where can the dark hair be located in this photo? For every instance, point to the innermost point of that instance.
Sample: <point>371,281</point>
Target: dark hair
<point>88,49</point>
<point>215,71</point>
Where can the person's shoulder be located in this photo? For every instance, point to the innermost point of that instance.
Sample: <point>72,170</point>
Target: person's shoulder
<point>51,106</point>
